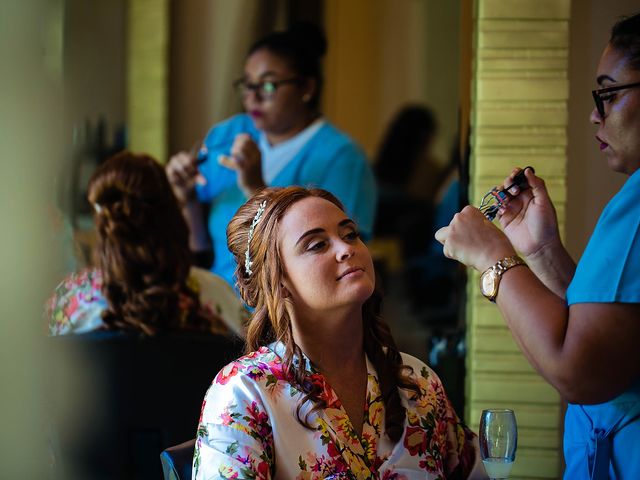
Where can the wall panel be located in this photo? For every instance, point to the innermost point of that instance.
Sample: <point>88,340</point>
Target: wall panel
<point>519,117</point>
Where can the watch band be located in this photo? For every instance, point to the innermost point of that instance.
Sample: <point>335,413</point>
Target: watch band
<point>498,270</point>
<point>506,263</point>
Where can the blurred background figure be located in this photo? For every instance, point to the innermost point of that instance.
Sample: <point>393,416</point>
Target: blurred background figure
<point>418,195</point>
<point>434,281</point>
<point>281,140</point>
<point>412,216</point>
<point>146,326</point>
<point>144,280</point>
<point>405,147</point>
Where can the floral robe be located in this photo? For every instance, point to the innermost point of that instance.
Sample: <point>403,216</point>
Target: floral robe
<point>249,429</point>
<point>77,303</point>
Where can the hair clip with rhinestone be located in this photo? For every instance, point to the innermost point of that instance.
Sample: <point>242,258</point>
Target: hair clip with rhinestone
<point>256,219</point>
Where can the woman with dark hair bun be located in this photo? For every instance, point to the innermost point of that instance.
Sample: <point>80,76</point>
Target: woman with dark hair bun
<point>281,140</point>
<point>323,391</point>
<point>577,324</point>
<point>144,280</point>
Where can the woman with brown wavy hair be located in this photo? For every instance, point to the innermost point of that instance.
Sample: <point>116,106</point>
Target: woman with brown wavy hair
<point>323,391</point>
<point>144,280</point>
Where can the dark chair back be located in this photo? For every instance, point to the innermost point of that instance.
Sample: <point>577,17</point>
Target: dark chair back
<point>176,461</point>
<point>139,396</point>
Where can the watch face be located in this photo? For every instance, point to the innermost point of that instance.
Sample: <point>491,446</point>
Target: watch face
<point>488,282</point>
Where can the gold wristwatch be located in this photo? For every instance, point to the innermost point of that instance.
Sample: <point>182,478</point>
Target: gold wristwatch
<point>490,278</point>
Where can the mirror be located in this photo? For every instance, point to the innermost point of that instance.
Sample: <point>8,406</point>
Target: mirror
<point>382,56</point>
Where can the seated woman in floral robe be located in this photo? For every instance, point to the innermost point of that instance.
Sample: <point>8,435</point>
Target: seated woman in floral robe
<point>323,391</point>
<point>143,280</point>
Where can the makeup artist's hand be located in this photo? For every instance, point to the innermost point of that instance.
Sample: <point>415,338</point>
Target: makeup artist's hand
<point>183,174</point>
<point>245,159</point>
<point>528,218</point>
<point>473,240</point>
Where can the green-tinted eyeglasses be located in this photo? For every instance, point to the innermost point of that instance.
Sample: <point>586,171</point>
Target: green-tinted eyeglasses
<point>265,89</point>
<point>602,95</point>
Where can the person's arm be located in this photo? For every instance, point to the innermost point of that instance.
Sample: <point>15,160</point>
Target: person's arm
<point>554,267</point>
<point>234,438</point>
<point>183,175</point>
<point>193,213</point>
<point>246,160</point>
<point>587,351</point>
<point>529,221</point>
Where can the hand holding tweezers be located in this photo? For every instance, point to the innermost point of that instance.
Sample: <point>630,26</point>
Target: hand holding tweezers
<point>495,198</point>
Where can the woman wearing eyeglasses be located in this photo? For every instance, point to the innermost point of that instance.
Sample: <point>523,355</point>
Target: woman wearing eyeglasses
<point>281,140</point>
<point>578,325</point>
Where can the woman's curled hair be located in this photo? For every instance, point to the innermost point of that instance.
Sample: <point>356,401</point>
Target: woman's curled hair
<point>262,290</point>
<point>143,248</point>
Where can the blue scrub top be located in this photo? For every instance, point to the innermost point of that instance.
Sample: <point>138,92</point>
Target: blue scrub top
<point>603,441</point>
<point>329,160</point>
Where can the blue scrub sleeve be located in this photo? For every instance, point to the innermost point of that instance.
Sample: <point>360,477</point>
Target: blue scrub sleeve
<point>608,269</point>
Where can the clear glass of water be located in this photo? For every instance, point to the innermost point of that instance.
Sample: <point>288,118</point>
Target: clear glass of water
<point>498,441</point>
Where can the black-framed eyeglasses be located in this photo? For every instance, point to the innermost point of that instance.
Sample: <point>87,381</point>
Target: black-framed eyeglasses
<point>264,89</point>
<point>601,95</point>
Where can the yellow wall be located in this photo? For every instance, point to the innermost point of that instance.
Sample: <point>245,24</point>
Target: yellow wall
<point>94,64</point>
<point>32,136</point>
<point>148,76</point>
<point>519,117</point>
<point>385,53</point>
<point>209,42</point>
<point>352,87</point>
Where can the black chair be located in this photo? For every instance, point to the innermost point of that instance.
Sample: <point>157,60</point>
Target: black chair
<point>140,396</point>
<point>176,461</point>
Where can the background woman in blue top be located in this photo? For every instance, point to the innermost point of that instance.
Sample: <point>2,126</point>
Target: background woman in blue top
<point>579,326</point>
<point>281,140</point>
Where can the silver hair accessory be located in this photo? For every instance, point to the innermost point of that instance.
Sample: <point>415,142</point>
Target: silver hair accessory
<point>256,219</point>
<point>97,207</point>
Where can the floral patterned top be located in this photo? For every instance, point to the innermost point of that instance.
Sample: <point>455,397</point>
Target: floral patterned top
<point>77,302</point>
<point>248,429</point>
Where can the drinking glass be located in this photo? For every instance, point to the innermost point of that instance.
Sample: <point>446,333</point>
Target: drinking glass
<point>498,441</point>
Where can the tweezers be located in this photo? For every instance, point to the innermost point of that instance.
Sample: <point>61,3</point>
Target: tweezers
<point>495,198</point>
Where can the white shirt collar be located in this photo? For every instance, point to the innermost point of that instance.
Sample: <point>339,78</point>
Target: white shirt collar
<point>276,157</point>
